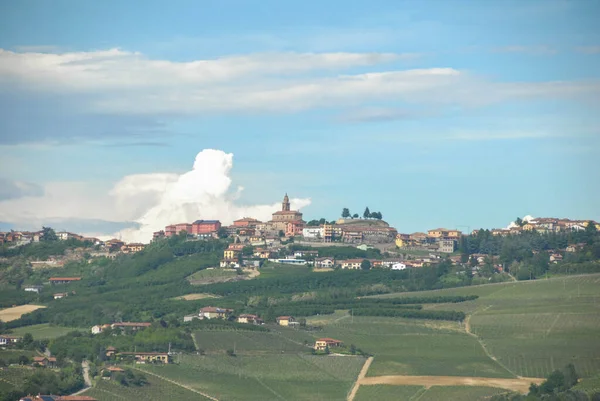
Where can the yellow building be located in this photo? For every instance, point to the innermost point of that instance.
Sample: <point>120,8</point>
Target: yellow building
<point>143,357</point>
<point>402,240</point>
<point>322,343</point>
<point>230,254</point>
<point>286,321</point>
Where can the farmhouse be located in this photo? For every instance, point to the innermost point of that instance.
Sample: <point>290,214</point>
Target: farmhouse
<point>351,264</point>
<point>60,295</point>
<point>189,318</point>
<point>8,340</point>
<point>63,280</point>
<point>130,325</point>
<point>213,312</point>
<point>144,357</point>
<point>97,329</point>
<point>324,262</point>
<point>47,362</point>
<point>287,321</point>
<point>33,288</point>
<point>322,343</point>
<point>110,351</point>
<point>252,319</point>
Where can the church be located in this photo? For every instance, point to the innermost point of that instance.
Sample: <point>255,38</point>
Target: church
<point>287,220</point>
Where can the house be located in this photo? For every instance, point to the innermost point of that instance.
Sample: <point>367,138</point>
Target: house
<point>213,312</point>
<point>110,351</point>
<point>199,227</point>
<point>33,288</point>
<point>230,263</point>
<point>246,222</point>
<point>556,257</point>
<point>351,264</point>
<point>250,319</point>
<point>108,371</point>
<point>325,262</point>
<point>323,343</point>
<point>63,236</point>
<point>147,357</point>
<point>97,329</point>
<point>304,254</point>
<point>8,340</point>
<point>133,247</point>
<point>60,295</point>
<point>113,244</point>
<point>314,233</point>
<point>47,362</point>
<point>189,318</point>
<point>287,321</point>
<point>402,240</point>
<point>388,263</point>
<point>231,254</point>
<point>63,280</point>
<point>446,245</point>
<point>130,325</point>
<point>399,266</point>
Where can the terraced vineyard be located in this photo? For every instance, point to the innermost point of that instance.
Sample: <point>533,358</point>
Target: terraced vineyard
<point>13,378</point>
<point>44,331</point>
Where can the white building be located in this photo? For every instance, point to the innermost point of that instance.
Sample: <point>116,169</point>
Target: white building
<point>324,262</point>
<point>289,261</point>
<point>189,318</point>
<point>398,266</point>
<point>313,232</point>
<point>33,288</point>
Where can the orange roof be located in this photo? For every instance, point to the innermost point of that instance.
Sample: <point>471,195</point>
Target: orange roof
<point>284,318</point>
<point>115,369</point>
<point>329,340</point>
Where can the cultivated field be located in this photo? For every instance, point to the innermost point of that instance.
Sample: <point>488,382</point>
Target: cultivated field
<point>253,342</point>
<point>13,378</point>
<point>210,276</point>
<point>44,331</point>
<point>10,314</point>
<point>158,390</point>
<point>387,393</point>
<point>537,326</point>
<point>195,297</point>
<point>265,377</point>
<point>415,347</point>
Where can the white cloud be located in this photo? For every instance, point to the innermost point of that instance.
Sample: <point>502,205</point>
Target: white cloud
<point>120,82</point>
<point>150,200</point>
<point>525,219</point>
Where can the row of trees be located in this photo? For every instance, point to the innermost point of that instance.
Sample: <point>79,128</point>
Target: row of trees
<point>367,214</point>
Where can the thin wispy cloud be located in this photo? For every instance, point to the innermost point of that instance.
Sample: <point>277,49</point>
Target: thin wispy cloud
<point>530,50</point>
<point>588,49</point>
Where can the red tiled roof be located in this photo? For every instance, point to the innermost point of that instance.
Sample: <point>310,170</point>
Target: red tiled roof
<point>284,318</point>
<point>329,340</point>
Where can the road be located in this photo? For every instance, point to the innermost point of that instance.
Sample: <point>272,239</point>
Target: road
<point>361,376</point>
<point>85,366</point>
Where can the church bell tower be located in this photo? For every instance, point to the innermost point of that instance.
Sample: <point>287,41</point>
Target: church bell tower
<point>285,205</point>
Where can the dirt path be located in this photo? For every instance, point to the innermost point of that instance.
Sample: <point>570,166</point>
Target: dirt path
<point>179,384</point>
<point>483,346</point>
<point>361,376</point>
<point>521,385</point>
<point>85,366</point>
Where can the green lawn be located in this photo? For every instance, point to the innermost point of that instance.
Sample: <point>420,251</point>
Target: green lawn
<point>265,377</point>
<point>208,276</point>
<point>590,385</point>
<point>44,331</point>
<point>387,393</point>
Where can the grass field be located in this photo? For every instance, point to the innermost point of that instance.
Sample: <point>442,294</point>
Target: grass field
<point>10,314</point>
<point>158,390</point>
<point>387,393</point>
<point>265,377</point>
<point>534,327</point>
<point>590,385</point>
<point>44,331</point>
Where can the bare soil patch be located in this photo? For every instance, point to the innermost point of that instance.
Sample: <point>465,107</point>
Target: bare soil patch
<point>521,385</point>
<point>194,297</point>
<point>10,314</point>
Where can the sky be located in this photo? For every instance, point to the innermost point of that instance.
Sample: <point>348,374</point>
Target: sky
<point>121,117</point>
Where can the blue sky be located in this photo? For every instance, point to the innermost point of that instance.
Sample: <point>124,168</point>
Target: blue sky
<point>437,113</point>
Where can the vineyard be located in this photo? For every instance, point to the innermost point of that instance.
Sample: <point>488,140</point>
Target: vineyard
<point>250,341</point>
<point>284,376</point>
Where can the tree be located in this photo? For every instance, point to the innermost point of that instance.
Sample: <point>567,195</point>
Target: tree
<point>281,234</point>
<point>222,233</point>
<point>353,349</point>
<point>367,213</point>
<point>376,215</point>
<point>355,216</point>
<point>345,213</point>
<point>48,234</point>
<point>365,265</point>
<point>519,222</point>
<point>248,250</point>
<point>27,340</point>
